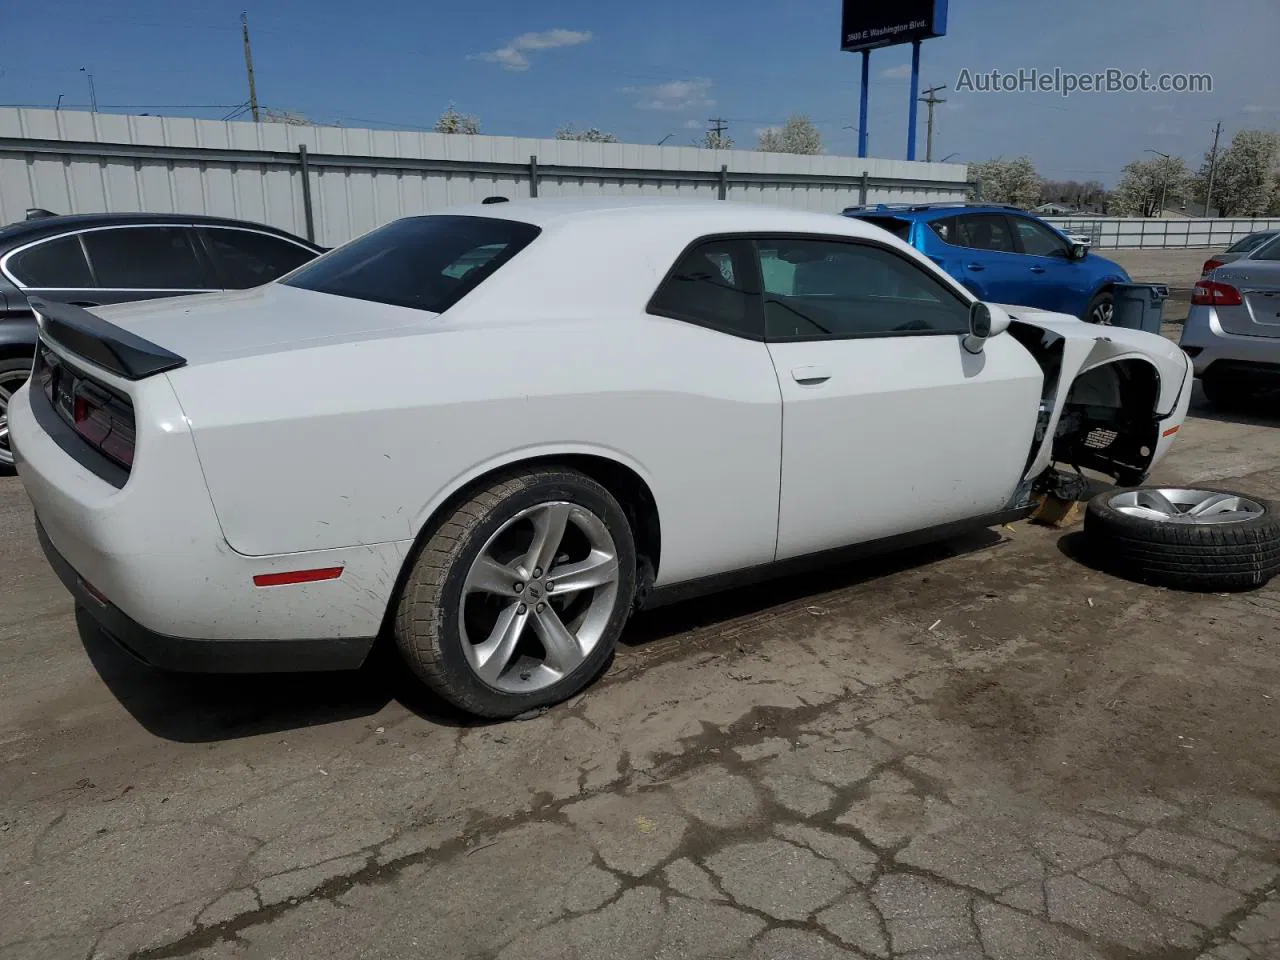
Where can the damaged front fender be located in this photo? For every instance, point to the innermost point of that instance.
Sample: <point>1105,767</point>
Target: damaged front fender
<point>1110,394</point>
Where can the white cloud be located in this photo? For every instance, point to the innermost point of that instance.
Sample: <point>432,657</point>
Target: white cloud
<point>512,56</point>
<point>693,124</point>
<point>1258,108</point>
<point>896,73</point>
<point>675,95</point>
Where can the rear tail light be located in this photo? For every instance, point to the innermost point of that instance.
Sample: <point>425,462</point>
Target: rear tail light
<point>101,418</point>
<point>1210,293</point>
<point>97,416</point>
<point>1210,264</point>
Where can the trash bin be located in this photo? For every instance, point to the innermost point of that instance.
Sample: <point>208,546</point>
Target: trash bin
<point>1139,306</point>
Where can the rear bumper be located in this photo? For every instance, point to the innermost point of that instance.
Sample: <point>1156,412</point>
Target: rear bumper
<point>1203,333</point>
<point>187,655</point>
<point>160,570</point>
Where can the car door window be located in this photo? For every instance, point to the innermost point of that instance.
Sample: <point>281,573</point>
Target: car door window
<point>945,228</point>
<point>145,258</point>
<point>52,264</point>
<point>713,285</point>
<point>831,289</point>
<point>246,258</point>
<point>985,231</point>
<point>1037,239</point>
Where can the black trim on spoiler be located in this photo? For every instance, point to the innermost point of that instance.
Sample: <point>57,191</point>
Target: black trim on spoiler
<point>103,343</point>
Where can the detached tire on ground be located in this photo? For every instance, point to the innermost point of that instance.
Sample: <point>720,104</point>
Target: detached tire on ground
<point>1208,540</point>
<point>519,594</point>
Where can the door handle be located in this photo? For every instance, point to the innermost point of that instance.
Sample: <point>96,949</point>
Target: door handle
<point>1037,269</point>
<point>809,376</point>
<point>975,267</point>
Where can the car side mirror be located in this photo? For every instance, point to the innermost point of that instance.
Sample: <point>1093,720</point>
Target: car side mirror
<point>1078,251</point>
<point>985,321</point>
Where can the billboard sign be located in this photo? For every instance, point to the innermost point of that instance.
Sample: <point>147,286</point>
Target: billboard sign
<point>867,24</point>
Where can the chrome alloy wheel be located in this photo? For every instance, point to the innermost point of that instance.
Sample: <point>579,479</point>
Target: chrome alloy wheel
<point>10,381</point>
<point>1175,505</point>
<point>1103,313</point>
<point>538,597</point>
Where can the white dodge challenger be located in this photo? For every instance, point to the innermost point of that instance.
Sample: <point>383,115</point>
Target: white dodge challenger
<point>493,433</point>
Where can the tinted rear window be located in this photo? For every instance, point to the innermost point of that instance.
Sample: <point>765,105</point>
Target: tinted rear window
<point>428,263</point>
<point>1250,242</point>
<point>896,225</point>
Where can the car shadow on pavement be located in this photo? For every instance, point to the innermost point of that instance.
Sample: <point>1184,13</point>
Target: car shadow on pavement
<point>747,601</point>
<point>200,708</point>
<point>203,708</point>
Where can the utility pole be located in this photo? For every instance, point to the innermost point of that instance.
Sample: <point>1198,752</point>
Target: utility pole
<point>932,102</point>
<point>1164,178</point>
<point>1213,168</point>
<point>715,136</point>
<point>248,66</point>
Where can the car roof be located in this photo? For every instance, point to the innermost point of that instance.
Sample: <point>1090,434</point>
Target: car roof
<point>703,216</point>
<point>24,230</point>
<point>928,211</point>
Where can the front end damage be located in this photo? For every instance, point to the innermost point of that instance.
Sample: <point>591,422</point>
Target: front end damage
<point>1112,401</point>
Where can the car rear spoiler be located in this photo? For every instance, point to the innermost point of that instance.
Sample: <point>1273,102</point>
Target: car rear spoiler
<point>110,347</point>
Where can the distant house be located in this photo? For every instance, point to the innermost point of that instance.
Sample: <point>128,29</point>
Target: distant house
<point>1054,210</point>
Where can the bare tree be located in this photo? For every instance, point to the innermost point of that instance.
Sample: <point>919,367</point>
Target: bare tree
<point>589,135</point>
<point>270,115</point>
<point>1245,181</point>
<point>1008,181</point>
<point>451,121</point>
<point>797,135</point>
<point>1148,187</point>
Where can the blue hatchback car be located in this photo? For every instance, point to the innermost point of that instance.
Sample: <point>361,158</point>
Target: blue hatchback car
<point>1005,255</point>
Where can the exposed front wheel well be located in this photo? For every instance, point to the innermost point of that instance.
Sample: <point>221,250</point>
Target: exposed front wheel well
<point>626,486</point>
<point>1109,421</point>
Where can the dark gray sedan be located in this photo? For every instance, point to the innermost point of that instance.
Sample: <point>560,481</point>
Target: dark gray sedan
<point>101,258</point>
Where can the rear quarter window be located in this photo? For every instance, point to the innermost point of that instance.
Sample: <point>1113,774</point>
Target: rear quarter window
<point>426,263</point>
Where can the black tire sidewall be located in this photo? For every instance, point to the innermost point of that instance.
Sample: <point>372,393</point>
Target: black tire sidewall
<point>548,487</point>
<point>1102,518</point>
<point>8,366</point>
<point>1234,556</point>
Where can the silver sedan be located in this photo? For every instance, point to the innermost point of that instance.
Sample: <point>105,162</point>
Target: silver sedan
<point>1232,333</point>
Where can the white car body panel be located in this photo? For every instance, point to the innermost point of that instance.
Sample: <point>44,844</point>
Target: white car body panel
<point>901,437</point>
<point>307,430</point>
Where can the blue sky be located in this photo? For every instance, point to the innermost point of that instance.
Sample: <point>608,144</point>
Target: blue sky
<point>646,70</point>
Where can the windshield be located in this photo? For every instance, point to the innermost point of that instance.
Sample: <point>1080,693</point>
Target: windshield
<point>427,263</point>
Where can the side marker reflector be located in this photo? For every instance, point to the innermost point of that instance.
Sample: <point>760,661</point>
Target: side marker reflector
<point>1172,430</point>
<point>296,576</point>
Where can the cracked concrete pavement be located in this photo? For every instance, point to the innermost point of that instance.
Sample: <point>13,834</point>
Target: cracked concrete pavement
<point>1066,766</point>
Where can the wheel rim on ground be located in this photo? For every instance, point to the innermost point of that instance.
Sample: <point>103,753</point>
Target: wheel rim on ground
<point>10,381</point>
<point>1175,505</point>
<point>538,597</point>
<point>1103,312</point>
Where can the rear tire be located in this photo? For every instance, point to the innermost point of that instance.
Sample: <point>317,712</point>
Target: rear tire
<point>13,374</point>
<point>1101,309</point>
<point>1240,554</point>
<point>483,623</point>
<point>1224,393</point>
